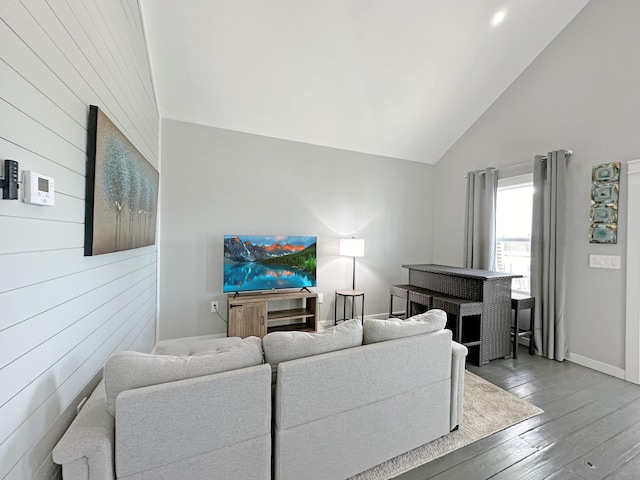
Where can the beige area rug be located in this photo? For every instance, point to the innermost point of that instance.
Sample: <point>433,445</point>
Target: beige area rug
<point>487,409</point>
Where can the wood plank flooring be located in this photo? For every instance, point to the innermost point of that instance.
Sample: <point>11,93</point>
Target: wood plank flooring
<point>590,428</point>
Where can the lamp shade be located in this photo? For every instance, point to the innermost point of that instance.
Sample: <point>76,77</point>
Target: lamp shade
<point>352,247</point>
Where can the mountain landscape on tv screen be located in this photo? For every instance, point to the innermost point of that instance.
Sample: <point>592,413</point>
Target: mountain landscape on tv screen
<point>239,251</point>
<point>265,263</point>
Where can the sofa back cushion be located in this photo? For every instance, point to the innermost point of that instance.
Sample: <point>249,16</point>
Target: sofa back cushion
<point>129,370</point>
<point>345,384</point>
<point>283,346</point>
<point>382,330</point>
<point>189,346</point>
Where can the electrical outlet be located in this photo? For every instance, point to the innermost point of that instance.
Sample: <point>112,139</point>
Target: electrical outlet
<point>214,307</point>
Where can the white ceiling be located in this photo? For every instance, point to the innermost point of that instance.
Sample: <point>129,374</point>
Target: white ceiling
<point>398,78</point>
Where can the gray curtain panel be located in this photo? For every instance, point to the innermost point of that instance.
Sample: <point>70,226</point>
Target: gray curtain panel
<point>480,219</point>
<point>548,253</point>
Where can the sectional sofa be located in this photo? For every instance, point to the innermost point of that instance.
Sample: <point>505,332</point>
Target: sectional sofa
<point>292,405</point>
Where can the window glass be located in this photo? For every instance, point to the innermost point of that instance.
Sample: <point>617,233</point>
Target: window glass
<point>513,229</point>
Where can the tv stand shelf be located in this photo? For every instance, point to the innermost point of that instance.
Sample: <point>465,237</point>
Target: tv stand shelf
<point>290,314</point>
<point>258,314</point>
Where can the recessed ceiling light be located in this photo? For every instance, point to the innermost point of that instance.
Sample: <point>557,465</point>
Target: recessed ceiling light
<point>498,17</point>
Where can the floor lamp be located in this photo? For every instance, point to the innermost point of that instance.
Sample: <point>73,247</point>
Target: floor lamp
<point>352,247</point>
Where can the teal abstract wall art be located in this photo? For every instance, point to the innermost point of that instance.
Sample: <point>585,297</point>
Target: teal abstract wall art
<point>604,214</point>
<point>605,187</point>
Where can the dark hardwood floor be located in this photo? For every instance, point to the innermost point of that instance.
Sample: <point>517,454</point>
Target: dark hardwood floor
<point>590,428</point>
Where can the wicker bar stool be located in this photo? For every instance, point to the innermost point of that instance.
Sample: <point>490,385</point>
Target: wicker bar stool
<point>522,302</point>
<point>401,291</point>
<point>461,308</point>
<point>420,296</point>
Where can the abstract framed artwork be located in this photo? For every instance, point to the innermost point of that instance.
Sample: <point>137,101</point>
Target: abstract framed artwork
<point>604,214</point>
<point>603,233</point>
<point>608,172</point>
<point>121,191</point>
<point>605,184</point>
<point>604,193</point>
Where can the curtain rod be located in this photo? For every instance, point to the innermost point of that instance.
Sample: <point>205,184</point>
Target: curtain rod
<point>568,152</point>
<point>523,164</point>
<point>483,172</point>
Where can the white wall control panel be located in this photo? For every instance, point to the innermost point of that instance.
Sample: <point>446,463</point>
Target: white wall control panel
<point>604,261</point>
<point>37,189</point>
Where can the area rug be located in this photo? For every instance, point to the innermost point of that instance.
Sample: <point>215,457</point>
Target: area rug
<point>487,409</point>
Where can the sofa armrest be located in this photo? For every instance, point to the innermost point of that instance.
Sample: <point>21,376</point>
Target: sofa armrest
<point>88,443</point>
<point>458,359</point>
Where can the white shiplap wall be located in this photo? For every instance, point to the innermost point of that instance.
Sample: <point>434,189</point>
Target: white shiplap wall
<point>63,314</point>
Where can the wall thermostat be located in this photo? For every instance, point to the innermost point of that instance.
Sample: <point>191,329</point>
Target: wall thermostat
<point>37,189</point>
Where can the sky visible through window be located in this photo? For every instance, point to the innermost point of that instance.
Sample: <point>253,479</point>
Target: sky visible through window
<point>513,211</point>
<point>514,205</point>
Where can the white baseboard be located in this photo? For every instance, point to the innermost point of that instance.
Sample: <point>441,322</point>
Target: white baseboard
<point>596,365</point>
<point>588,362</point>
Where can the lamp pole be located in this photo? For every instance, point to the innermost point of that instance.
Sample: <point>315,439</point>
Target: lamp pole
<point>354,275</point>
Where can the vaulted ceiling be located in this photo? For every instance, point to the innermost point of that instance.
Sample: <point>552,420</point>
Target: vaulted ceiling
<point>397,78</point>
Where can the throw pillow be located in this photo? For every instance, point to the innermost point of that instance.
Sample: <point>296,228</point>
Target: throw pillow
<point>382,330</point>
<point>128,370</point>
<point>283,346</point>
<point>435,317</point>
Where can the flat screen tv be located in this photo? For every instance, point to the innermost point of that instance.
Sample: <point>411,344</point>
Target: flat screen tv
<point>258,262</point>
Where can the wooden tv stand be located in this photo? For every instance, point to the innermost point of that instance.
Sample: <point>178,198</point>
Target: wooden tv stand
<point>256,314</point>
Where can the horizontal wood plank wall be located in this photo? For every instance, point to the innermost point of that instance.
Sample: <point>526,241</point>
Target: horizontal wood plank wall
<point>62,314</point>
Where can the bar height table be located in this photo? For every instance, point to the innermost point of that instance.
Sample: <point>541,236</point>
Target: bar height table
<point>493,289</point>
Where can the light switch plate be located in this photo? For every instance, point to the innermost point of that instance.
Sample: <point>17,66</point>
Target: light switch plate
<point>604,261</point>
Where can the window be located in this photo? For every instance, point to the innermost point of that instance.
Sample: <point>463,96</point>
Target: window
<point>514,205</point>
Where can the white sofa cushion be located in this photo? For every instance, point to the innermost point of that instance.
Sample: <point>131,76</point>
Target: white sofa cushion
<point>283,346</point>
<point>129,370</point>
<point>375,331</point>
